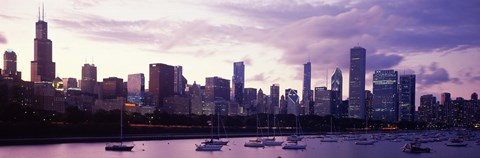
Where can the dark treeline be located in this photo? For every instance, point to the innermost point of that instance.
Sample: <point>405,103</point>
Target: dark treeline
<point>17,121</point>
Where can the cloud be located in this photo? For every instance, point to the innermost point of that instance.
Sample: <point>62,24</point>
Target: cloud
<point>382,61</point>
<point>432,75</point>
<point>258,77</point>
<point>3,40</point>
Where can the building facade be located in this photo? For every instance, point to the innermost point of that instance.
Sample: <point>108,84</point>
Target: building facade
<point>161,83</point>
<point>406,96</point>
<point>217,88</point>
<point>238,82</point>
<point>385,105</point>
<point>337,92</point>
<point>356,93</point>
<point>89,78</point>
<point>136,89</point>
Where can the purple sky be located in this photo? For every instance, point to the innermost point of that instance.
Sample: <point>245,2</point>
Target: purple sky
<point>438,40</point>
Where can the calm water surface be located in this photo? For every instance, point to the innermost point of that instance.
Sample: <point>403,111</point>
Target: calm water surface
<point>235,149</point>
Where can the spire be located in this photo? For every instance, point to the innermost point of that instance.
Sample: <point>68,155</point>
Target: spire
<point>38,13</point>
<point>43,12</point>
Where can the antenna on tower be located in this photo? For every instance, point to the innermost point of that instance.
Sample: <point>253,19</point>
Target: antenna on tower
<point>39,13</point>
<point>43,12</point>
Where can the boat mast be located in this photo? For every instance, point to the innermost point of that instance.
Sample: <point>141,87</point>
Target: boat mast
<point>121,125</point>
<point>218,126</point>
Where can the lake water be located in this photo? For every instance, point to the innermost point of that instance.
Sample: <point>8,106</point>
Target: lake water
<point>235,149</point>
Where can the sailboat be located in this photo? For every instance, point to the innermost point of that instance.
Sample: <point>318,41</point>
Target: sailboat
<point>256,143</point>
<point>365,141</point>
<point>296,136</point>
<point>217,140</point>
<point>271,141</point>
<point>121,146</point>
<point>330,138</point>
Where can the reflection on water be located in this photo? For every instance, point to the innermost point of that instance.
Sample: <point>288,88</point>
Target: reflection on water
<point>235,149</point>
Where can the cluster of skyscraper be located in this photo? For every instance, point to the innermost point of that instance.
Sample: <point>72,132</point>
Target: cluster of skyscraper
<point>392,100</point>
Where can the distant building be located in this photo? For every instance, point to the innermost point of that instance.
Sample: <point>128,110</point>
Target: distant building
<point>238,82</point>
<point>196,99</point>
<point>177,105</point>
<point>292,100</point>
<point>57,83</point>
<point>385,104</point>
<point>217,88</point>
<point>47,98</point>
<point>10,66</point>
<point>275,97</point>
<point>337,92</point>
<point>445,109</point>
<point>427,108</point>
<point>179,81</point>
<point>323,101</point>
<point>406,98</point>
<point>69,83</point>
<point>112,88</point>
<point>161,83</point>
<point>307,83</point>
<point>16,92</point>
<point>136,89</point>
<point>260,107</point>
<point>42,67</point>
<point>89,78</point>
<point>249,100</point>
<point>356,103</point>
<point>369,104</point>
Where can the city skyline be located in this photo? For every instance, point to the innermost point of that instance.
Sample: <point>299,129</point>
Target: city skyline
<point>72,44</point>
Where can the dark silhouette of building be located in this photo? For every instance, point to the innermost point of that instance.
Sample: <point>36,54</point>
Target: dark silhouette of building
<point>292,101</point>
<point>368,104</point>
<point>136,89</point>
<point>250,98</point>
<point>427,108</point>
<point>260,107</point>
<point>356,103</point>
<point>10,65</point>
<point>307,83</point>
<point>89,78</point>
<point>161,83</point>
<point>69,83</point>
<point>275,97</point>
<point>179,81</point>
<point>406,103</point>
<point>385,89</point>
<point>217,88</point>
<point>337,92</point>
<point>323,101</point>
<point>42,67</point>
<point>238,82</point>
<point>112,88</point>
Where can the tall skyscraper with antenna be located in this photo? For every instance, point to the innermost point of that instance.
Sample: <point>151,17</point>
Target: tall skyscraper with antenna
<point>42,67</point>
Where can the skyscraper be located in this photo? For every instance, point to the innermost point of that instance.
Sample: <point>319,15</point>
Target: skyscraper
<point>250,97</point>
<point>356,93</point>
<point>292,100</point>
<point>260,107</point>
<point>323,101</point>
<point>178,81</point>
<point>406,98</point>
<point>427,108</point>
<point>161,83</point>
<point>238,82</point>
<point>69,83</point>
<point>307,82</point>
<point>337,85</point>
<point>10,65</point>
<point>136,89</point>
<point>275,97</point>
<point>89,78</point>
<point>112,88</point>
<point>42,67</point>
<point>217,88</point>
<point>385,84</point>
